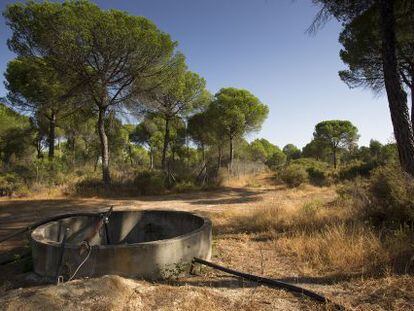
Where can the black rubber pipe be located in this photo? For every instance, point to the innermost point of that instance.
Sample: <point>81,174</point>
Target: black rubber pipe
<point>272,283</point>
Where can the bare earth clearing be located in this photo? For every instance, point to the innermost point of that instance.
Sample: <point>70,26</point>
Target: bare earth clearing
<point>253,253</point>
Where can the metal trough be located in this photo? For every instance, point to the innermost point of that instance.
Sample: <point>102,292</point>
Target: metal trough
<point>150,244</point>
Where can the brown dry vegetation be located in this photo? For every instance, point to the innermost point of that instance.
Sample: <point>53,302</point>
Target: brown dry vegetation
<point>325,238</point>
<point>307,236</point>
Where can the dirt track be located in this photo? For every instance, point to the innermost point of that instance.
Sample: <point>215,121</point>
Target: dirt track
<point>16,213</point>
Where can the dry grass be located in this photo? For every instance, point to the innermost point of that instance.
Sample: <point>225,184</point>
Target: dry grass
<point>319,239</point>
<point>303,235</point>
<point>326,238</point>
<point>388,293</point>
<point>236,181</point>
<point>338,249</point>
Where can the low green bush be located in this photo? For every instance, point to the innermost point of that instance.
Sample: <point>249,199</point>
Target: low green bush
<point>355,169</point>
<point>88,186</point>
<point>276,160</point>
<point>151,182</point>
<point>185,186</point>
<point>319,177</point>
<point>385,199</point>
<point>294,175</point>
<point>49,172</point>
<point>11,183</point>
<point>319,173</point>
<point>391,194</point>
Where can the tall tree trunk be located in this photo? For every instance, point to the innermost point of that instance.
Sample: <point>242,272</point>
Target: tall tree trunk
<point>166,143</point>
<point>106,177</point>
<point>334,158</point>
<point>51,138</point>
<point>412,104</point>
<point>74,150</point>
<point>203,154</point>
<point>397,99</point>
<point>39,146</point>
<point>231,156</point>
<point>219,157</point>
<point>96,163</point>
<point>131,160</point>
<point>151,159</point>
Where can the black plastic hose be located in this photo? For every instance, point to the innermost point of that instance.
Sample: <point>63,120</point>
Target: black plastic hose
<point>272,283</point>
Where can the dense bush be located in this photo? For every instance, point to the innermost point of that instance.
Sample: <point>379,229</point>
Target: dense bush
<point>318,177</point>
<point>384,199</point>
<point>10,183</point>
<point>294,175</point>
<point>51,172</point>
<point>357,168</point>
<point>185,186</point>
<point>391,194</point>
<point>276,160</point>
<point>150,182</point>
<point>20,179</point>
<point>319,173</point>
<point>88,186</point>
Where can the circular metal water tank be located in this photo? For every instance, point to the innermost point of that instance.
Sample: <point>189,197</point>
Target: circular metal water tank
<point>150,244</point>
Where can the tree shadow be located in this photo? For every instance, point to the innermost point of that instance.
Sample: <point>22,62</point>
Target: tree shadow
<point>240,200</point>
<point>200,197</point>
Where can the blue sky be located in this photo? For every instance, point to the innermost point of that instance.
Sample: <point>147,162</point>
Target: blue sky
<point>261,45</point>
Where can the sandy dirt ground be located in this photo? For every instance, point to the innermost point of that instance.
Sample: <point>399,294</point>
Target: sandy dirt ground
<point>20,290</point>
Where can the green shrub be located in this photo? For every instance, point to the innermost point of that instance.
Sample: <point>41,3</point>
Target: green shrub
<point>185,186</point>
<point>391,194</point>
<point>384,199</point>
<point>318,172</point>
<point>276,160</point>
<point>357,168</point>
<point>89,186</point>
<point>10,183</point>
<point>354,191</point>
<point>319,177</point>
<point>50,172</point>
<point>294,175</point>
<point>151,182</point>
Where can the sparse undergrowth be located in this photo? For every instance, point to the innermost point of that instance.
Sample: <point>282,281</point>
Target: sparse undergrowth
<point>343,237</point>
<point>328,243</point>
